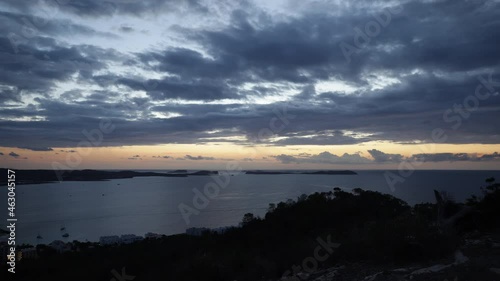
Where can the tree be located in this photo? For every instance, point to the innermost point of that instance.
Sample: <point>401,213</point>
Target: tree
<point>247,218</point>
<point>271,207</point>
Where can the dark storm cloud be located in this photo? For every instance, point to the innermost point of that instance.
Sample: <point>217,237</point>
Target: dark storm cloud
<point>103,8</point>
<point>9,94</point>
<point>434,49</point>
<point>176,88</point>
<point>440,157</point>
<point>35,148</point>
<point>33,61</point>
<point>96,8</point>
<point>22,26</point>
<point>42,62</point>
<point>164,157</point>
<point>319,138</point>
<point>277,52</point>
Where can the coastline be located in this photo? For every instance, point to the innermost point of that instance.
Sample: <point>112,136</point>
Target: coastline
<point>51,176</point>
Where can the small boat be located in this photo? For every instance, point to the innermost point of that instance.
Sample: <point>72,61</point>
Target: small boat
<point>39,236</point>
<point>65,235</point>
<point>63,228</point>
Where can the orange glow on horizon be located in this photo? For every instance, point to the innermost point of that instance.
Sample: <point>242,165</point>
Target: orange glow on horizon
<point>216,156</point>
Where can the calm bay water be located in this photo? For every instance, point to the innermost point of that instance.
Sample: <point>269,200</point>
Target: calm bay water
<point>89,210</point>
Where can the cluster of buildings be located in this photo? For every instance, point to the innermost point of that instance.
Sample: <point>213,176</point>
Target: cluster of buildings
<point>63,247</point>
<point>32,252</point>
<point>126,238</point>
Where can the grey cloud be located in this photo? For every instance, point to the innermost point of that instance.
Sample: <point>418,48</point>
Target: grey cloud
<point>454,157</point>
<point>23,27</point>
<point>173,88</point>
<point>380,156</point>
<point>126,29</point>
<point>35,148</point>
<point>98,8</point>
<point>189,157</point>
<point>436,66</point>
<point>13,154</point>
<point>323,158</point>
<point>106,8</point>
<point>490,157</point>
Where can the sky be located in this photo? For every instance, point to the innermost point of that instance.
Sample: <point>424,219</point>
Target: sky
<point>285,84</point>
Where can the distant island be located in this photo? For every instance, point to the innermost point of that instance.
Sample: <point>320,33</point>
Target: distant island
<point>48,176</point>
<point>204,173</point>
<point>179,172</point>
<point>328,172</point>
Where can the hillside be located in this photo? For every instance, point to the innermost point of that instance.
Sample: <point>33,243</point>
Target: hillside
<point>363,234</point>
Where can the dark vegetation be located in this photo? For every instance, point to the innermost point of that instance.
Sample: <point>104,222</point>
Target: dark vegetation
<point>45,176</point>
<point>371,227</point>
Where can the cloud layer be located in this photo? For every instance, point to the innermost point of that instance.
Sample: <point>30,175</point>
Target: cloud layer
<point>378,156</point>
<point>239,75</point>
